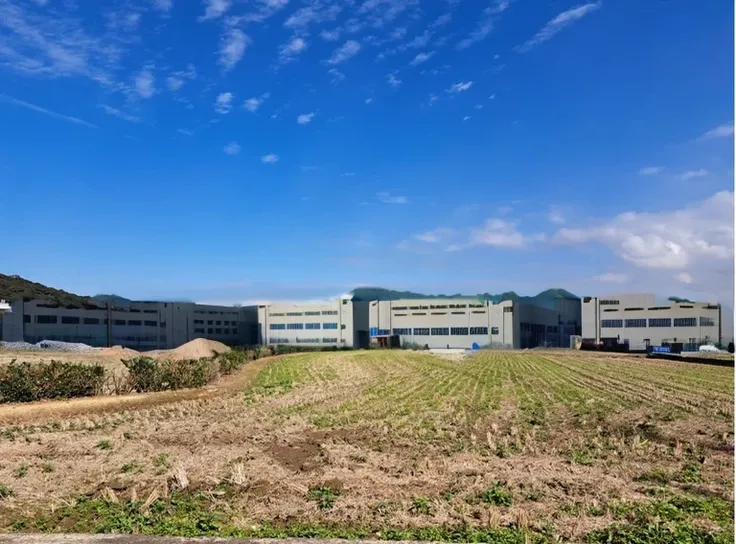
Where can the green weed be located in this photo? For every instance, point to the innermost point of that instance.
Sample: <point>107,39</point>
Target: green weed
<point>104,445</point>
<point>21,471</point>
<point>325,497</point>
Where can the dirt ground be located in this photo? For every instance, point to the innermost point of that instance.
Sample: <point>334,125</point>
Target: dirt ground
<point>553,441</point>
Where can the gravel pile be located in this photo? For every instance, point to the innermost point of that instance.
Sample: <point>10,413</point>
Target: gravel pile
<point>51,345</point>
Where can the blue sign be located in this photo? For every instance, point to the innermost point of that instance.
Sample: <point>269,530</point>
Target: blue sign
<point>475,347</point>
<point>660,349</point>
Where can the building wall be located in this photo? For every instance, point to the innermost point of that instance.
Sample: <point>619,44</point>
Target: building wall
<point>638,320</point>
<point>141,325</point>
<point>331,323</point>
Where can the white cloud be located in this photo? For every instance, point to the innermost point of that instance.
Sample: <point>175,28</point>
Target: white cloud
<point>388,198</point>
<point>336,76</point>
<point>368,100</point>
<point>224,103</point>
<point>255,102</point>
<point>292,48</point>
<point>563,20</point>
<point>478,106</point>
<point>318,11</point>
<point>442,20</point>
<point>232,48</point>
<point>330,35</point>
<point>611,277</point>
<point>692,174</point>
<point>460,87</point>
<point>271,158</point>
<point>392,80</point>
<point>305,118</point>
<point>163,5</point>
<point>498,233</point>
<point>347,50</point>
<point>233,148</point>
<point>176,80</point>
<point>185,132</point>
<point>485,25</point>
<point>466,118</point>
<point>214,9</point>
<point>650,170</point>
<point>39,109</point>
<point>492,97</point>
<point>697,240</point>
<point>145,83</point>
<point>555,216</point>
<point>120,114</point>
<point>434,236</point>
<point>722,131</point>
<point>684,277</point>
<point>422,57</point>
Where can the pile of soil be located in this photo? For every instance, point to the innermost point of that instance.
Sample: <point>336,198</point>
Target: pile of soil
<point>118,351</point>
<point>195,349</point>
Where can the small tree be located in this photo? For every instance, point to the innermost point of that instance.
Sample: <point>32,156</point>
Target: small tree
<point>730,347</point>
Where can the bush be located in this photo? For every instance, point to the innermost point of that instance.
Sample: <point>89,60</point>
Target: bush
<point>232,361</point>
<point>146,374</point>
<point>26,382</point>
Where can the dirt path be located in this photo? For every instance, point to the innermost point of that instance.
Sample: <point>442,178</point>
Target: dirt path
<point>12,414</point>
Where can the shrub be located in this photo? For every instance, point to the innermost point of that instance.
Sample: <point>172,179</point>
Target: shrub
<point>232,361</point>
<point>146,374</point>
<point>26,382</point>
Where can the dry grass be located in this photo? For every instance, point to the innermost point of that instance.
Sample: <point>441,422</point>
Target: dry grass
<point>405,439</point>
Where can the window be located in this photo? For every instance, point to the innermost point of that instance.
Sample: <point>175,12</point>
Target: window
<point>459,331</point>
<point>552,329</point>
<point>421,332</point>
<point>218,322</point>
<point>91,321</point>
<point>275,315</point>
<point>149,323</point>
<point>278,340</point>
<point>235,331</point>
<point>399,308</point>
<point>329,326</point>
<point>46,319</point>
<point>660,322</point>
<point>294,326</point>
<point>457,313</point>
<point>294,314</point>
<point>612,323</point>
<point>439,313</point>
<point>134,323</point>
<point>482,312</point>
<point>218,331</point>
<point>636,323</point>
<point>419,313</point>
<point>440,331</point>
<point>659,308</point>
<point>307,340</point>
<point>329,340</point>
<point>163,324</point>
<point>632,309</point>
<point>329,312</point>
<point>69,320</point>
<point>402,332</point>
<point>152,311</point>
<point>400,315</point>
<point>198,331</point>
<point>199,322</point>
<point>312,326</point>
<point>685,322</point>
<point>209,331</point>
<point>225,331</point>
<point>210,322</point>
<point>508,310</point>
<point>311,313</point>
<point>494,330</point>
<point>479,330</point>
<point>119,322</point>
<point>707,322</point>
<point>608,302</point>
<point>382,332</point>
<point>343,326</point>
<point>277,326</point>
<point>26,318</point>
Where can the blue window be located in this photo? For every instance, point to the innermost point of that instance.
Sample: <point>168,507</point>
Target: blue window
<point>478,330</point>
<point>329,325</point>
<point>294,326</point>
<point>402,332</point>
<point>440,331</point>
<point>707,322</point>
<point>329,340</point>
<point>686,322</point>
<point>612,323</point>
<point>312,326</point>
<point>421,331</point>
<point>636,323</point>
<point>277,326</point>
<point>660,322</point>
<point>459,331</point>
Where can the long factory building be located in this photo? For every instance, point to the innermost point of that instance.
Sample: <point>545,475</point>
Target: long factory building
<point>633,319</point>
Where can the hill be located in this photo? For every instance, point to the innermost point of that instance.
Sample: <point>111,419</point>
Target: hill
<point>113,300</point>
<point>14,288</point>
<point>379,293</point>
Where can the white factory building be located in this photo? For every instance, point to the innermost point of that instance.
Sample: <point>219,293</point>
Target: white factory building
<point>639,321</point>
<point>138,325</point>
<point>339,322</point>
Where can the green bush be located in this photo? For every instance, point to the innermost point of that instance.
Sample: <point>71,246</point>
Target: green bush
<point>26,382</point>
<point>232,361</point>
<point>146,374</point>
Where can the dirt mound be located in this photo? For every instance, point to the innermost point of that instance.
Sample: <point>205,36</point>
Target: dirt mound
<point>118,351</point>
<point>196,349</point>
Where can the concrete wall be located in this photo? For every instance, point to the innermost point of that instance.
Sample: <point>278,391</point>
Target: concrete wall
<point>338,322</point>
<point>637,318</point>
<point>141,325</point>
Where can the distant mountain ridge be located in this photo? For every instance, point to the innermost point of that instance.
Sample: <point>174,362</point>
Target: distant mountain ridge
<point>379,293</point>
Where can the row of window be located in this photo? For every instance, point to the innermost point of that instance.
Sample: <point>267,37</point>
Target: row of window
<point>211,312</point>
<point>300,314</point>
<point>210,322</point>
<point>657,322</point>
<point>440,331</point>
<point>302,326</point>
<point>326,340</point>
<point>74,320</point>
<point>215,331</point>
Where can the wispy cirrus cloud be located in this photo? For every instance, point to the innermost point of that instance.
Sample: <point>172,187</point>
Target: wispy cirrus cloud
<point>421,58</point>
<point>693,174</point>
<point>255,102</point>
<point>650,170</point>
<point>563,20</point>
<point>224,103</point>
<point>270,158</point>
<point>214,9</point>
<point>163,5</point>
<point>233,148</point>
<point>119,114</point>
<point>295,46</point>
<point>317,11</point>
<point>392,79</point>
<point>176,80</point>
<point>485,24</point>
<point>39,109</point>
<point>388,198</point>
<point>305,118</point>
<point>722,131</point>
<point>460,87</point>
<point>346,51</point>
<point>233,43</point>
<point>145,83</point>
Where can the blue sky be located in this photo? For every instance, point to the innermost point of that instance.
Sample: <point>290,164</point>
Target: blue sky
<point>230,151</point>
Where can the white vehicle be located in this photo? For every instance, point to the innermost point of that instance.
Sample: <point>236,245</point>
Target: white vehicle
<point>709,348</point>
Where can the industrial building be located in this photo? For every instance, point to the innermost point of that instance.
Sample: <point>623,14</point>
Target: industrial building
<point>463,323</point>
<point>138,325</point>
<point>638,321</point>
<point>340,322</point>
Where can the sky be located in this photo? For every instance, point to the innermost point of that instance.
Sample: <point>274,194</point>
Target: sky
<point>249,150</point>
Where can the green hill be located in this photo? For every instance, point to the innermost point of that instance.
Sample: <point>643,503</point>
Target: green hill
<point>14,288</point>
<point>379,293</point>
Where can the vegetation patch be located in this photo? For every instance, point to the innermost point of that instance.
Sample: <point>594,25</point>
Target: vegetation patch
<point>26,382</point>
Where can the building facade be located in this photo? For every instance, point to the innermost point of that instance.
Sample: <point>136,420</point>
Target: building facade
<point>639,321</point>
<point>462,323</point>
<point>139,325</point>
<point>341,322</point>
